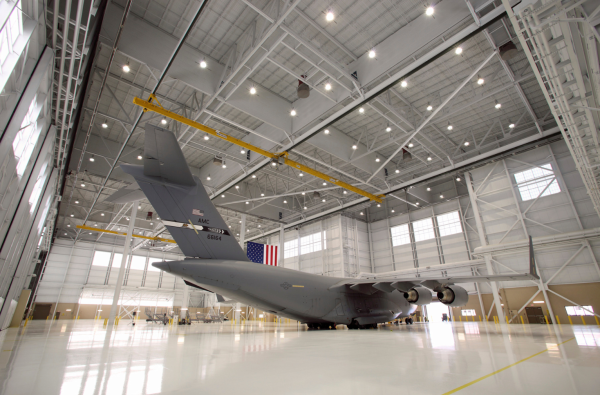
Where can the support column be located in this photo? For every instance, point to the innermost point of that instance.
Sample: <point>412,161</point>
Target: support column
<point>124,259</point>
<point>185,301</point>
<point>243,231</point>
<point>281,246</point>
<point>343,264</point>
<point>483,241</point>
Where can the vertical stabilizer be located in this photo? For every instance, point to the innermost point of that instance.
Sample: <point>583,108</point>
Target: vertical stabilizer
<point>181,201</point>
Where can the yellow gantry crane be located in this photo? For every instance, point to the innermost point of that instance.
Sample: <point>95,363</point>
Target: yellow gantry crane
<point>280,158</point>
<point>85,227</point>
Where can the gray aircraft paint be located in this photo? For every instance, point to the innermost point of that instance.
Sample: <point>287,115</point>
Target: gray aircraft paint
<point>218,264</point>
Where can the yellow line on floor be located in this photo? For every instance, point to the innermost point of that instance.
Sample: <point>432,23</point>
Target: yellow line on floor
<point>500,370</point>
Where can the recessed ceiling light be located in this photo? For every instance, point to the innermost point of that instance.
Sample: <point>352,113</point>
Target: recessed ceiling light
<point>458,50</point>
<point>388,129</point>
<point>429,11</point>
<point>404,84</point>
<point>203,63</point>
<point>252,90</point>
<point>329,16</point>
<point>293,113</point>
<point>410,145</point>
<point>372,53</point>
<point>126,68</point>
<point>512,125</point>
<point>328,86</point>
<point>163,121</point>
<point>361,110</point>
<point>326,131</point>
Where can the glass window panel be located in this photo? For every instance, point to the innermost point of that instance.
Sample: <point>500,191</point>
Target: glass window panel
<point>26,139</point>
<point>116,262</point>
<point>577,310</point>
<point>37,189</point>
<point>138,262</point>
<point>423,229</point>
<point>400,235</point>
<point>449,223</point>
<point>532,182</point>
<point>468,312</point>
<point>101,258</point>
<point>290,248</point>
<point>310,243</point>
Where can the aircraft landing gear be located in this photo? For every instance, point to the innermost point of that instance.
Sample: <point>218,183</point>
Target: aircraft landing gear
<point>409,321</point>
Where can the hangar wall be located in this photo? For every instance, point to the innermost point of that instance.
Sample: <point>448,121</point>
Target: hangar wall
<point>28,177</point>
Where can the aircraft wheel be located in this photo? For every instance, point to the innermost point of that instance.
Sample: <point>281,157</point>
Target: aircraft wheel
<point>332,326</point>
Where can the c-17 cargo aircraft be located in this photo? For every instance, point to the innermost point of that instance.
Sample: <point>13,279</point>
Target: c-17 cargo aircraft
<point>215,261</point>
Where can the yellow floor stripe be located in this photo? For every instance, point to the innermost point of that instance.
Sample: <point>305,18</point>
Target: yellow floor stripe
<point>500,370</point>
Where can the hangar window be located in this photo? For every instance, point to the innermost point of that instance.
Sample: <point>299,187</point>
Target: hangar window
<point>311,243</point>
<point>26,138</point>
<point>423,229</point>
<point>101,258</point>
<point>151,261</point>
<point>449,223</point>
<point>12,30</point>
<point>468,312</point>
<point>400,235</point>
<point>290,248</point>
<point>138,262</point>
<point>116,262</point>
<point>579,310</point>
<point>533,182</point>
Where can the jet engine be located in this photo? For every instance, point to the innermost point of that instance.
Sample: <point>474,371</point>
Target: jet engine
<point>418,296</point>
<point>453,295</point>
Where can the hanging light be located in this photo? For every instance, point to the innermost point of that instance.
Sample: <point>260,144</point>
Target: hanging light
<point>376,159</point>
<point>323,200</point>
<point>92,158</point>
<point>301,174</point>
<point>324,183</point>
<point>203,63</point>
<point>326,131</point>
<point>511,125</point>
<point>285,201</point>
<point>329,16</point>
<point>388,129</point>
<point>247,202</point>
<point>404,84</point>
<point>361,213</point>
<point>410,145</point>
<point>480,80</point>
<point>372,53</point>
<point>293,113</point>
<point>441,196</point>
<point>397,171</point>
<point>354,146</point>
<point>104,125</point>
<point>429,107</point>
<point>305,208</point>
<point>72,215</point>
<point>253,175</point>
<point>450,126</point>
<point>393,211</point>
<point>76,201</point>
<point>237,187</point>
<point>417,203</point>
<point>224,166</point>
<point>361,110</point>
<point>262,194</point>
<point>458,179</point>
<point>429,158</point>
<point>429,11</point>
<point>467,143</point>
<point>252,90</point>
<point>208,178</point>
<point>498,105</point>
<point>328,86</point>
<point>222,196</point>
<point>206,137</point>
<point>428,189</point>
<point>458,50</point>
<point>139,157</point>
<point>163,121</point>
<point>102,214</point>
<point>345,192</point>
<point>83,185</point>
<point>126,67</point>
<point>243,151</point>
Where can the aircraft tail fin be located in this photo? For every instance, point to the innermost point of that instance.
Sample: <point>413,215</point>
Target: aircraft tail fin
<point>181,201</point>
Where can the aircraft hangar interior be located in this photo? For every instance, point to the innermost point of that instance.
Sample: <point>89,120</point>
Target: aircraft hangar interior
<point>300,196</point>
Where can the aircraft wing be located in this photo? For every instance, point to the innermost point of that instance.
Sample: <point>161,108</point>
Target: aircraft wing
<point>403,284</point>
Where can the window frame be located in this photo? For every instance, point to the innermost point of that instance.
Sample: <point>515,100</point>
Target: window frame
<point>418,233</point>
<point>532,182</point>
<point>400,239</point>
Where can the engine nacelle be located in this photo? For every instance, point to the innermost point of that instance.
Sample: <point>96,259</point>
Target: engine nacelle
<point>418,295</point>
<point>453,295</point>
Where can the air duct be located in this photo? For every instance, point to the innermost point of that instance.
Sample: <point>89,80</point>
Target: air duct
<point>508,51</point>
<point>303,90</point>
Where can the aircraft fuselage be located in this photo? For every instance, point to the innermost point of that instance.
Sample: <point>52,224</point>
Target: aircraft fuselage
<point>305,297</point>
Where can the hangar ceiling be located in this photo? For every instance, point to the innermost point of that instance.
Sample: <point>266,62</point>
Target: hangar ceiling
<point>417,95</point>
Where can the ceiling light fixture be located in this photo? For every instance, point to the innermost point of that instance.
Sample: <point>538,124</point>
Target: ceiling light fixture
<point>345,192</point>
<point>247,202</point>
<point>428,189</point>
<point>203,63</point>
<point>376,159</point>
<point>208,178</point>
<point>83,185</point>
<point>72,215</point>
<point>139,157</point>
<point>304,193</point>
<point>222,196</point>
<point>92,158</point>
<point>480,80</point>
<point>429,158</point>
<point>252,90</point>
<point>206,137</point>
<point>372,53</point>
<point>388,129</point>
<point>450,127</point>
<point>410,145</point>
<point>102,214</point>
<point>273,164</point>
<point>329,16</point>
<point>237,187</point>
<point>285,201</point>
<point>326,131</point>
<point>441,196</point>
<point>361,213</point>
<point>163,121</point>
<point>253,175</point>
<point>458,179</point>
<point>328,86</point>
<point>293,113</point>
<point>429,11</point>
<point>323,200</point>
<point>354,146</point>
<point>324,183</point>
<point>404,84</point>
<point>224,166</point>
<point>429,107</point>
<point>361,110</point>
<point>498,105</point>
<point>393,211</point>
<point>397,171</point>
<point>301,174</point>
<point>467,143</point>
<point>76,201</point>
<point>305,208</point>
<point>104,125</point>
<point>126,68</point>
<point>511,125</point>
<point>458,50</point>
<point>262,194</point>
<point>242,151</point>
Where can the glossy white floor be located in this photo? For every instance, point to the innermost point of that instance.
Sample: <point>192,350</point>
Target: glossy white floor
<point>68,357</point>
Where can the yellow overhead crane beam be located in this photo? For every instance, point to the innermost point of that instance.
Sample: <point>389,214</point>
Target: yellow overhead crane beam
<point>124,234</point>
<point>281,157</point>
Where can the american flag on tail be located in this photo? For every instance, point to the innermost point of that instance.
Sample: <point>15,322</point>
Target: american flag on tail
<point>262,253</point>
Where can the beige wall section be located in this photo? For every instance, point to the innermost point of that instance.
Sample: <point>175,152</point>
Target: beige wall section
<point>587,294</point>
<point>20,310</point>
